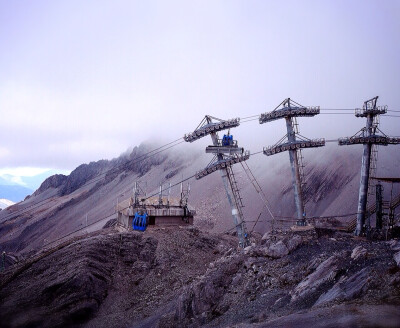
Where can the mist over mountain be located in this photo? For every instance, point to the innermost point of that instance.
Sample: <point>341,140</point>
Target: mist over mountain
<point>92,190</point>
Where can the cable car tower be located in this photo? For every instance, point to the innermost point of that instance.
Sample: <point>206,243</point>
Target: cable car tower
<point>289,110</point>
<point>370,138</point>
<point>226,153</point>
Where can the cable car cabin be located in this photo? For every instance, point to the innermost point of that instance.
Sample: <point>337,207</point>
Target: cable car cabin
<point>227,140</point>
<point>152,214</point>
<point>139,222</point>
<point>226,146</point>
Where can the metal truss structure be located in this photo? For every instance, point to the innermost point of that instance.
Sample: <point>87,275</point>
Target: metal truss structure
<point>370,136</point>
<point>226,153</point>
<point>289,110</point>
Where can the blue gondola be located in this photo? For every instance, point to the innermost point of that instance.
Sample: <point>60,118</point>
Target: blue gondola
<point>139,222</point>
<point>227,140</point>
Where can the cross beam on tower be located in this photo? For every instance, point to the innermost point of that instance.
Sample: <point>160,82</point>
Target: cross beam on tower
<point>370,136</point>
<point>226,154</point>
<point>289,110</point>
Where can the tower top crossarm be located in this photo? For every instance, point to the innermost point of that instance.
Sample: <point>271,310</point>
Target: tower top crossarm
<point>370,134</point>
<point>370,108</point>
<point>210,124</point>
<point>289,108</point>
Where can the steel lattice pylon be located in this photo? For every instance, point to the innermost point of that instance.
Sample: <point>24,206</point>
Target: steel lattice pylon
<point>369,137</point>
<point>226,154</point>
<point>289,110</point>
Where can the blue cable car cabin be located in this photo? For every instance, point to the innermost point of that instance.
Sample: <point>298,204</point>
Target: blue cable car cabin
<point>140,222</point>
<point>227,140</point>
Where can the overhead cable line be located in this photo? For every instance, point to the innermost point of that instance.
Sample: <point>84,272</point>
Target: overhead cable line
<point>249,120</point>
<point>175,184</point>
<point>155,152</point>
<point>352,109</point>
<point>253,116</point>
<point>260,192</point>
<point>75,231</point>
<point>337,113</point>
<point>98,177</point>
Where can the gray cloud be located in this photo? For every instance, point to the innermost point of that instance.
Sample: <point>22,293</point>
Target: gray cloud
<point>85,81</point>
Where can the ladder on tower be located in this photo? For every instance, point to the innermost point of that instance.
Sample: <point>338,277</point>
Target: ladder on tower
<point>374,160</point>
<point>372,171</point>
<point>235,191</point>
<point>301,165</point>
<point>300,156</point>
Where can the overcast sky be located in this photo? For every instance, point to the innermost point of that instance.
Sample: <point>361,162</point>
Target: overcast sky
<point>85,80</point>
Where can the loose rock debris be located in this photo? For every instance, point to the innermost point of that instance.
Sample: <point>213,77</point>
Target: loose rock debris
<point>183,277</point>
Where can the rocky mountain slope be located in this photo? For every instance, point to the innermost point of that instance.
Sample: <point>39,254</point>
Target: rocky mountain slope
<point>63,203</point>
<point>183,277</point>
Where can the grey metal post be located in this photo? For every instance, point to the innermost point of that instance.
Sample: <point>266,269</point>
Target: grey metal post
<point>298,197</point>
<point>169,193</point>
<point>379,207</point>
<point>364,179</point>
<point>135,193</point>
<point>160,195</point>
<point>229,193</point>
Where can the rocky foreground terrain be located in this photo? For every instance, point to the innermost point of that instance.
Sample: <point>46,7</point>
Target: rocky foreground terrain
<point>183,277</point>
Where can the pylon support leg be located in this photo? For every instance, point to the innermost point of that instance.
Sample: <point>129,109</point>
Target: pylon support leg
<point>237,220</point>
<point>363,192</point>
<point>296,180</point>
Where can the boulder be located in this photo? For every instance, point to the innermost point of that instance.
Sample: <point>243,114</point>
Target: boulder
<point>396,257</point>
<point>326,271</point>
<point>294,242</point>
<point>202,296</point>
<point>358,252</point>
<point>347,288</point>
<point>266,237</point>
<point>276,250</point>
<point>394,245</point>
